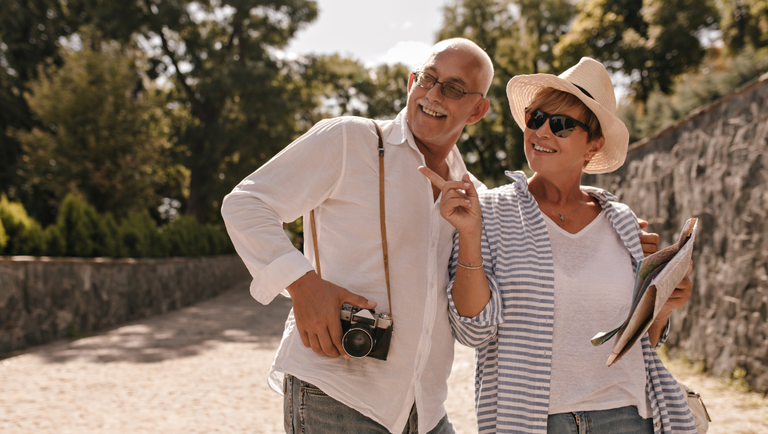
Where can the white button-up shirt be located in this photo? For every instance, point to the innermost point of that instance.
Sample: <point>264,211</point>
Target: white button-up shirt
<point>334,170</point>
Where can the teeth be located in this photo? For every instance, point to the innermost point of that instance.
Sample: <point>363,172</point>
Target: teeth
<point>542,149</point>
<point>431,113</point>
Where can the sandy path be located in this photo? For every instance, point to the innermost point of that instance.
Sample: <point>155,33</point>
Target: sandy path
<point>202,370</point>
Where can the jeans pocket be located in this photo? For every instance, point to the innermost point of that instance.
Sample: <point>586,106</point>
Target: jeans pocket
<point>309,389</point>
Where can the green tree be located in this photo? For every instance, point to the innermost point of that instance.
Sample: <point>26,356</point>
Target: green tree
<point>30,31</point>
<point>218,56</point>
<point>103,132</point>
<point>333,85</point>
<point>744,23</point>
<point>519,36</point>
<point>651,41</point>
<point>718,75</point>
<point>387,93</point>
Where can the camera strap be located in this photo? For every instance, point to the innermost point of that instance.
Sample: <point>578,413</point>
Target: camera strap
<point>382,219</point>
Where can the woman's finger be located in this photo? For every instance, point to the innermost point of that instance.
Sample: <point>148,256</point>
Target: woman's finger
<point>456,202</point>
<point>436,179</point>
<point>470,190</point>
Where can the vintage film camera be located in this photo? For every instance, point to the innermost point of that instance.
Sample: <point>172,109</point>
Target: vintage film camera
<point>365,332</point>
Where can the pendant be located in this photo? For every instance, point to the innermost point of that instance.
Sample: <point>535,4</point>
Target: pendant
<point>562,217</point>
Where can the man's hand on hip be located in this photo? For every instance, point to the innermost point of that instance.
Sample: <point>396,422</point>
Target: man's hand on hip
<point>316,307</point>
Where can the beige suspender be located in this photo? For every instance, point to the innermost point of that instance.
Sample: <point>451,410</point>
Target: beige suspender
<point>382,219</point>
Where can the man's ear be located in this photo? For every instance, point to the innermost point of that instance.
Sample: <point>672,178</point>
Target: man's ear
<point>411,77</point>
<point>481,108</point>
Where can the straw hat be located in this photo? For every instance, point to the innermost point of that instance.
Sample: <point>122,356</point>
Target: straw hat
<point>588,81</point>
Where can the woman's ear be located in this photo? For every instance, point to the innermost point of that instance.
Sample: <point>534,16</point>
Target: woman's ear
<point>595,147</point>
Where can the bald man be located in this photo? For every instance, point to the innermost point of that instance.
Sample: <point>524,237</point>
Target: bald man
<point>333,170</point>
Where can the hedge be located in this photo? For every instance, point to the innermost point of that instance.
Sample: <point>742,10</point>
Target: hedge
<point>81,231</point>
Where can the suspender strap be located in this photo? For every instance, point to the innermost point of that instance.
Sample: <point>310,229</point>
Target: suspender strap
<point>382,219</point>
<point>382,215</point>
<point>314,242</point>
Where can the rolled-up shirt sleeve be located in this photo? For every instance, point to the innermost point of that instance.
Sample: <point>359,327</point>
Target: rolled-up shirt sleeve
<point>291,184</point>
<point>475,331</point>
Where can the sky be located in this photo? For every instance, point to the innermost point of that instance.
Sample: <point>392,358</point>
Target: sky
<point>371,31</point>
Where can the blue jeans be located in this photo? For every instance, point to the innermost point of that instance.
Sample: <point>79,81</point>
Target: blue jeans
<point>624,420</point>
<point>308,410</point>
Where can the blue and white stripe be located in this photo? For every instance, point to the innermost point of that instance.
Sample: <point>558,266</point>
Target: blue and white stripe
<point>513,334</point>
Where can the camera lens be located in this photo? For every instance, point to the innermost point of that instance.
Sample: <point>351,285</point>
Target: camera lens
<point>357,342</point>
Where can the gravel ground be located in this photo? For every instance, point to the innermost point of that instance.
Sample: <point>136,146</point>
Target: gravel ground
<point>202,370</point>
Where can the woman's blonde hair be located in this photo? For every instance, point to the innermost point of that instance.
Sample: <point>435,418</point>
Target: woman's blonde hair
<point>556,101</point>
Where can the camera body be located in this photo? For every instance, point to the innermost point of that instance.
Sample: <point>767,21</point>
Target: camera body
<point>365,333</point>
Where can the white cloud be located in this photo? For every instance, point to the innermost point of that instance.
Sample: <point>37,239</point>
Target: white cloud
<point>410,53</point>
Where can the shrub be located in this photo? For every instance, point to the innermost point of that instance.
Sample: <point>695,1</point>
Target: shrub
<point>3,237</point>
<point>55,243</point>
<point>81,231</point>
<point>219,241</point>
<point>72,221</point>
<point>32,241</point>
<point>23,235</point>
<point>140,237</point>
<point>186,237</point>
<point>103,231</point>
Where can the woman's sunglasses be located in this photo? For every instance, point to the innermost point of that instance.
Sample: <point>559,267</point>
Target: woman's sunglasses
<point>561,125</point>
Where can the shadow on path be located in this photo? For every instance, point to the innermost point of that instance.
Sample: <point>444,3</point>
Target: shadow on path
<point>232,317</point>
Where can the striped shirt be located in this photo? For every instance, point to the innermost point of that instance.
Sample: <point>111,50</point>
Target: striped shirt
<point>512,336</point>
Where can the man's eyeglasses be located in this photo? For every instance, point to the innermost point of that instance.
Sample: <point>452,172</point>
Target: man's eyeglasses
<point>561,125</point>
<point>449,90</point>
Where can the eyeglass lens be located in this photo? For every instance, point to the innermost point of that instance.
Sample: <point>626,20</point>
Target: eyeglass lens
<point>447,89</point>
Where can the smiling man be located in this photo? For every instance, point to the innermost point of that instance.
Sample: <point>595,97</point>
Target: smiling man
<point>333,170</point>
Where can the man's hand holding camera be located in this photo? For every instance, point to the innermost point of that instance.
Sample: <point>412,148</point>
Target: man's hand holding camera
<point>316,306</point>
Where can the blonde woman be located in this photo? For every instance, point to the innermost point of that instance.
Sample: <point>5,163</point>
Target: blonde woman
<point>542,264</point>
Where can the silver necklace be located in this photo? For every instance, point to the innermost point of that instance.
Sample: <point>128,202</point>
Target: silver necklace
<point>563,216</point>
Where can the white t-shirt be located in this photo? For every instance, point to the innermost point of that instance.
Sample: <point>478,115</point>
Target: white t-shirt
<point>593,281</point>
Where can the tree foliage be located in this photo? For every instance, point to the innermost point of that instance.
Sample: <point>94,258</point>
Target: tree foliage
<point>218,56</point>
<point>519,37</point>
<point>20,234</point>
<point>744,23</point>
<point>29,36</point>
<point>718,75</point>
<point>652,41</point>
<point>102,133</point>
<point>333,85</point>
<point>175,101</point>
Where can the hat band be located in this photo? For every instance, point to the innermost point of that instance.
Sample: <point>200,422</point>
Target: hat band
<point>583,90</point>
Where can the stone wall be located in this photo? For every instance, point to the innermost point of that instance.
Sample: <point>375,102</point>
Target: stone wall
<point>712,165</point>
<point>42,299</point>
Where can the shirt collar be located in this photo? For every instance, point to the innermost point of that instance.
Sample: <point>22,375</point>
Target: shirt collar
<point>400,133</point>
